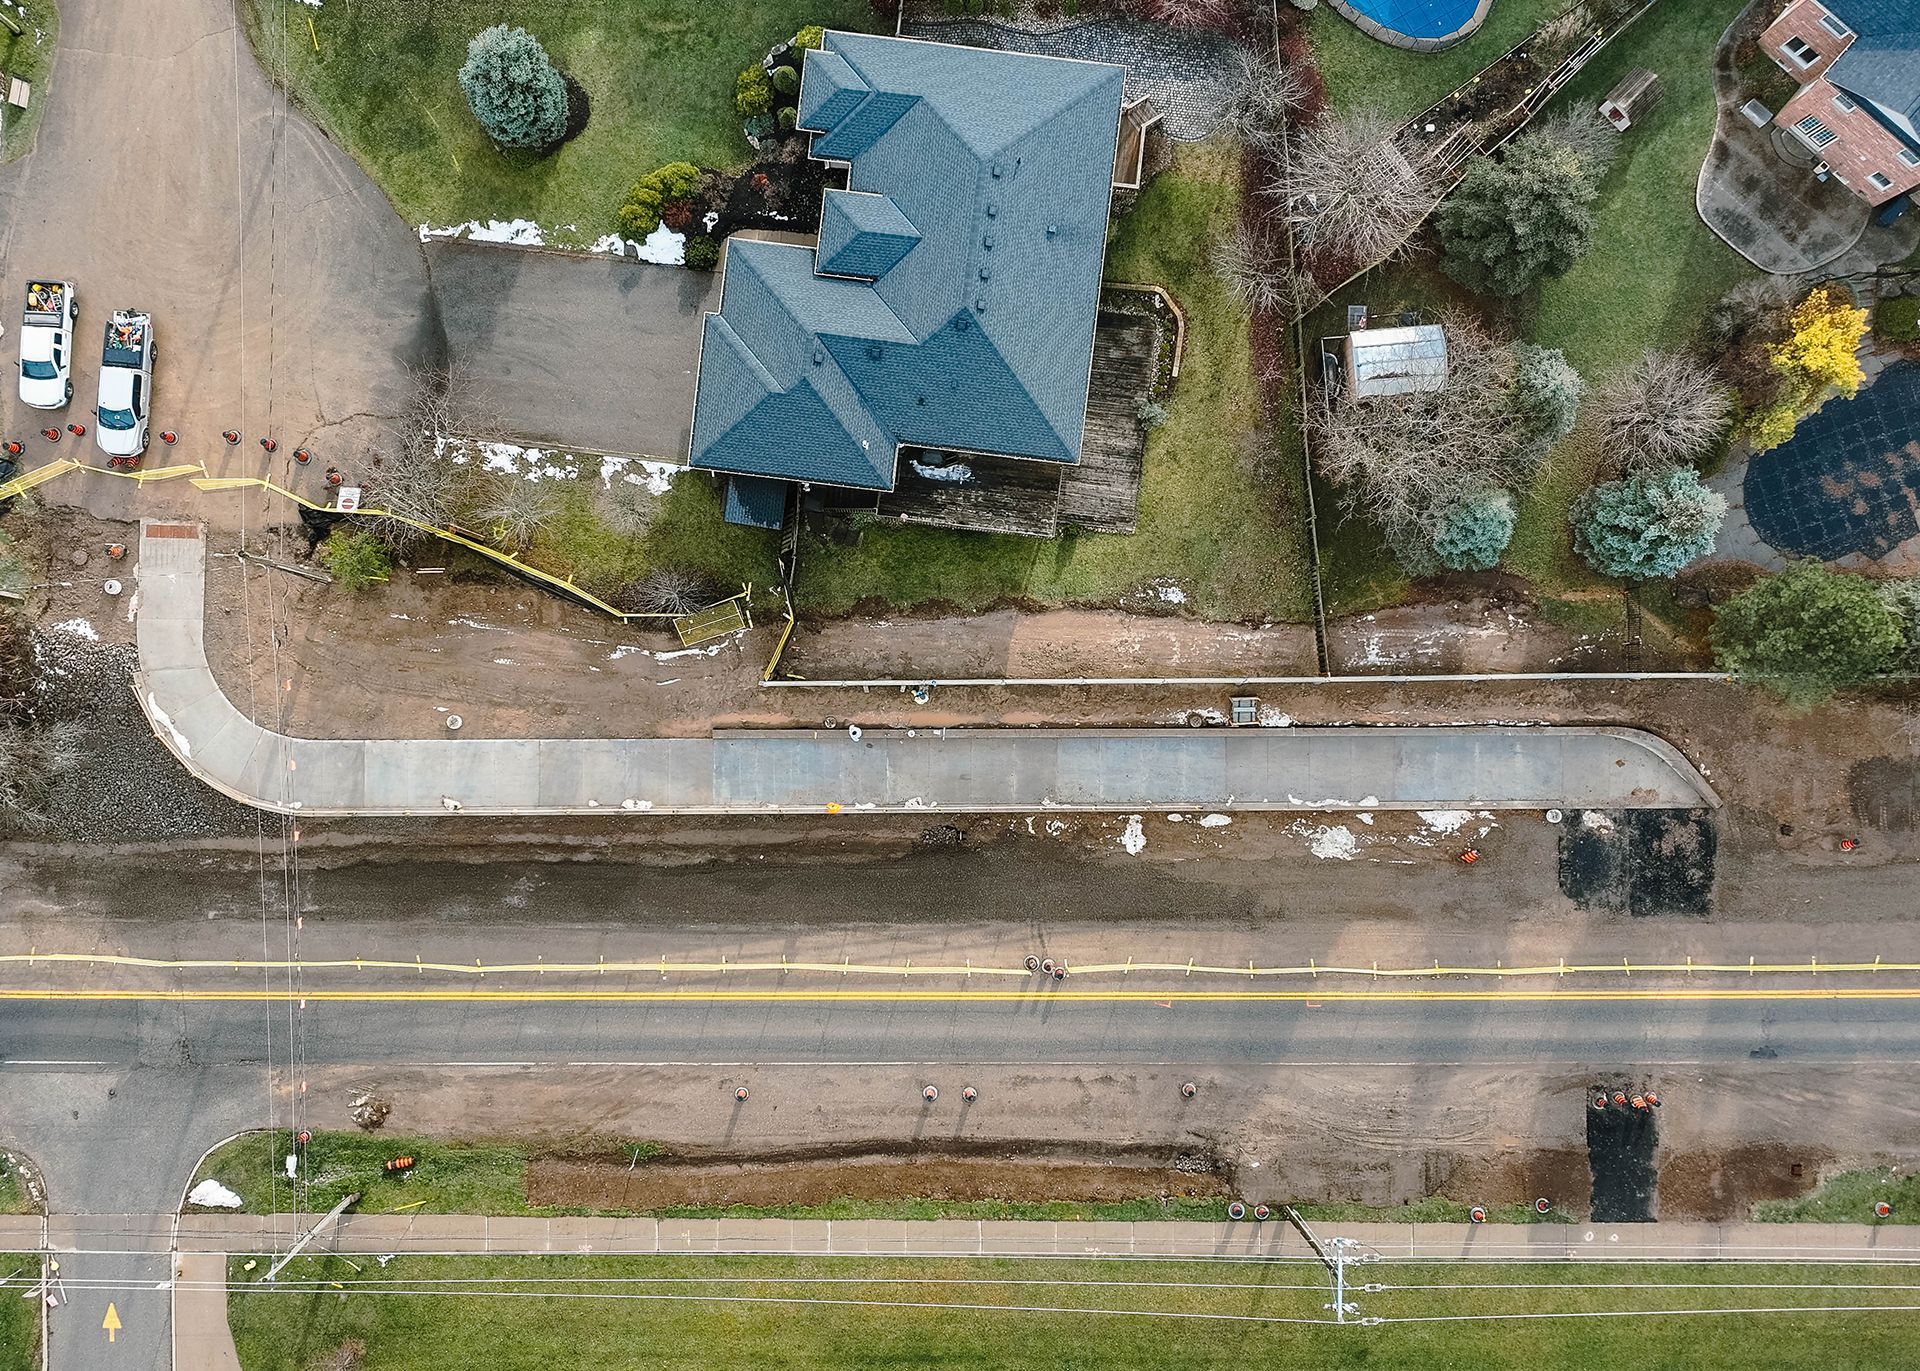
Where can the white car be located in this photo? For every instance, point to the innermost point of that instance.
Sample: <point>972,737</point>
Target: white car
<point>126,385</point>
<point>46,344</point>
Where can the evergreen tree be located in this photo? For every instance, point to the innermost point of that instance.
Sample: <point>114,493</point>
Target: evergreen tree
<point>1647,526</point>
<point>1808,631</point>
<point>1546,395</point>
<point>513,88</point>
<point>1522,218</point>
<point>1474,533</point>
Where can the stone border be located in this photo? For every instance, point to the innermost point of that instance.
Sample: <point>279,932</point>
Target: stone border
<point>1373,28</point>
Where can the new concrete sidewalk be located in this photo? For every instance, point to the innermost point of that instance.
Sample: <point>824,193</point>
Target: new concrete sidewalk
<point>459,1233</point>
<point>918,770</point>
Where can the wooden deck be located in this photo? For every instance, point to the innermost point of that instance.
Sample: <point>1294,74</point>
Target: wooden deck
<point>999,494</point>
<point>1102,493</point>
<point>1035,499</point>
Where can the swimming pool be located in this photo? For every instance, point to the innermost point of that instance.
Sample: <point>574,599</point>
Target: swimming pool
<point>1425,25</point>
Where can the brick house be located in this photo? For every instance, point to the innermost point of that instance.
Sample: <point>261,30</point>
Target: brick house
<point>1858,106</point>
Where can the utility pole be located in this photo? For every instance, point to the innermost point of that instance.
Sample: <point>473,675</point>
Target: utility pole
<point>1337,1250</point>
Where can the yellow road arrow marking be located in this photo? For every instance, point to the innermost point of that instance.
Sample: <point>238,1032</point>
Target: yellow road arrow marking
<point>111,1322</point>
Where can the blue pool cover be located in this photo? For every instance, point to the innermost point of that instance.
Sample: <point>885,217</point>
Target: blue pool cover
<point>1847,481</point>
<point>1419,18</point>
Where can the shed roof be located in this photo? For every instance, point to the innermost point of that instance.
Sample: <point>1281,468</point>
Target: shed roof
<point>976,215</point>
<point>1396,361</point>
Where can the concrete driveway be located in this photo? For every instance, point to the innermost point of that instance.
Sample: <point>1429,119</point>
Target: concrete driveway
<point>594,353</point>
<point>169,175</point>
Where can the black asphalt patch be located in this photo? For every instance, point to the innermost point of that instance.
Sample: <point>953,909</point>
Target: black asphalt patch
<point>1848,479</point>
<point>1639,861</point>
<point>1620,1145</point>
<point>594,353</point>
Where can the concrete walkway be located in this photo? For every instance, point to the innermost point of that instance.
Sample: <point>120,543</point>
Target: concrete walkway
<point>901,770</point>
<point>202,1338</point>
<point>443,1234</point>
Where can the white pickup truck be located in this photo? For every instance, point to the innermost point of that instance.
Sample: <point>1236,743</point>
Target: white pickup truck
<point>46,344</point>
<point>126,385</point>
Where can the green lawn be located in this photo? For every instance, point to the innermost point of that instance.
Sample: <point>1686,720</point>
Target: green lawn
<point>13,1196</point>
<point>1652,271</point>
<point>714,1313</point>
<point>30,58</point>
<point>1234,543</point>
<point>1654,267</point>
<point>453,1178</point>
<point>19,1318</point>
<point>659,74</point>
<point>1362,71</point>
<point>1849,1198</point>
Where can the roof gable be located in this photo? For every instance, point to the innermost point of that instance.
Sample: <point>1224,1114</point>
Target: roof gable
<point>863,234</point>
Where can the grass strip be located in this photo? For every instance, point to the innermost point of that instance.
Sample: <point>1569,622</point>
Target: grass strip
<point>724,1312</point>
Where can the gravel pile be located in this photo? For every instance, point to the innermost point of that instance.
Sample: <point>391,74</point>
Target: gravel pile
<point>127,787</point>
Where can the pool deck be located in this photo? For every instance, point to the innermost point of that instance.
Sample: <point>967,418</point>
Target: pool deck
<point>1373,28</point>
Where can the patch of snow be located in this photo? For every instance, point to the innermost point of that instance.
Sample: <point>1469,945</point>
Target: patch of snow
<point>1215,821</point>
<point>1212,716</point>
<point>713,651</point>
<point>1167,592</point>
<point>1055,827</point>
<point>78,628</point>
<point>1445,821</point>
<point>180,743</point>
<point>958,472</point>
<point>627,650</point>
<point>663,248</point>
<point>1334,843</point>
<point>523,232</point>
<point>1594,820</point>
<point>636,804</point>
<point>210,1194</point>
<point>1134,836</point>
<point>475,623</point>
<point>1273,718</point>
<point>505,661</point>
<point>654,477</point>
<point>614,244</point>
<point>1176,818</point>
<point>407,617</point>
<point>1366,819</point>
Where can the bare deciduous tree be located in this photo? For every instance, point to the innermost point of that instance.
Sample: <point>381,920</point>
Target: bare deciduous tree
<point>1255,269</point>
<point>34,753</point>
<point>1347,188</point>
<point>669,590</point>
<point>1261,99</point>
<point>1192,13</point>
<point>516,510</point>
<point>1584,133</point>
<point>416,475</point>
<point>1657,412</point>
<point>1403,461</point>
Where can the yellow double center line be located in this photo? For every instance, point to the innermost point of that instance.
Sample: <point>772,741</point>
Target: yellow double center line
<point>1041,995</point>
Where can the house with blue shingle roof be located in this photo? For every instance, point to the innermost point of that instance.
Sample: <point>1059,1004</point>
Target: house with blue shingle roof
<point>950,300</point>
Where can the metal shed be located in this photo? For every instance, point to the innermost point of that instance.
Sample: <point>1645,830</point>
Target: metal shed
<point>1395,361</point>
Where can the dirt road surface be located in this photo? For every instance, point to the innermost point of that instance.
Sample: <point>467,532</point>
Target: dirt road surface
<point>288,298</point>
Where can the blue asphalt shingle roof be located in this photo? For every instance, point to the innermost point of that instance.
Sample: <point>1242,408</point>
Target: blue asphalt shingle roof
<point>755,502</point>
<point>863,234</point>
<point>1882,63</point>
<point>977,204</point>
